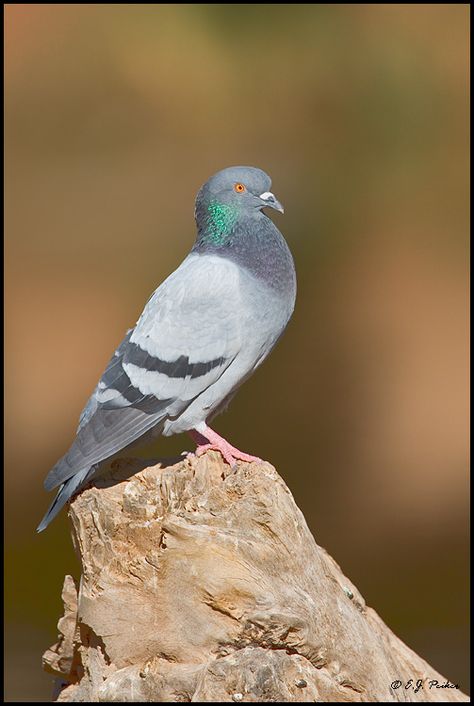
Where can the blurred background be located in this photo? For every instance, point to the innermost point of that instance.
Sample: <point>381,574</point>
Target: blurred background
<point>114,116</point>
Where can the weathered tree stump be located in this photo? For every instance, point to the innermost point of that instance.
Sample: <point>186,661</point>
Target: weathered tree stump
<point>203,583</point>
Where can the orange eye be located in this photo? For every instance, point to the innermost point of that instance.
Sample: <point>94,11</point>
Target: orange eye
<point>239,188</point>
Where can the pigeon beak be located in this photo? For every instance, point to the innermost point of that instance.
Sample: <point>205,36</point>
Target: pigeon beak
<point>269,200</point>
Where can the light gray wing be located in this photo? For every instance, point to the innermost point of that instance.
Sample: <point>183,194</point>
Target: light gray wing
<point>188,334</point>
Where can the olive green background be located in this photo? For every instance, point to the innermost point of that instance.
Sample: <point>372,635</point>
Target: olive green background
<point>115,115</point>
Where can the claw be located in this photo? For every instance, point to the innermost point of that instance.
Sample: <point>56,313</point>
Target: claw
<point>216,443</point>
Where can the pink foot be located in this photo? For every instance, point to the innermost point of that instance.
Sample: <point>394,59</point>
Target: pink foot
<point>209,440</point>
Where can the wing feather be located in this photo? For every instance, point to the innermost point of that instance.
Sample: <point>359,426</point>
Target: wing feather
<point>186,337</point>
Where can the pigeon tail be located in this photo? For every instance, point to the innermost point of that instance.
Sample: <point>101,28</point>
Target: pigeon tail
<point>65,492</point>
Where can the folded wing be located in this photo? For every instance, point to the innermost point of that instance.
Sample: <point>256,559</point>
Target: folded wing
<point>186,337</point>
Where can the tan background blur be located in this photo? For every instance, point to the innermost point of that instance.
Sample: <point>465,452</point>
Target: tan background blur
<point>115,115</point>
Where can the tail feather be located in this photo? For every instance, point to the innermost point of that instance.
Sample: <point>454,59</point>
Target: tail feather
<point>65,491</point>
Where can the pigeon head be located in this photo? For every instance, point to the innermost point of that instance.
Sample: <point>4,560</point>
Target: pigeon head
<point>229,197</point>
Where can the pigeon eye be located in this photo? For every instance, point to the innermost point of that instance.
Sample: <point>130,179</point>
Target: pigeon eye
<point>239,188</point>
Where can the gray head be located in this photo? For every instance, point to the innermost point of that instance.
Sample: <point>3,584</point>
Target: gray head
<point>232,195</point>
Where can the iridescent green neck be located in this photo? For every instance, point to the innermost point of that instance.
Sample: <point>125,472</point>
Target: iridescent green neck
<point>220,222</point>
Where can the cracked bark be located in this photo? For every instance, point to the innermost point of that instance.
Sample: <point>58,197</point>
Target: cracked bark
<point>202,583</point>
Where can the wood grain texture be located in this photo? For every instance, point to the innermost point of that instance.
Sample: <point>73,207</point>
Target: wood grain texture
<point>203,583</point>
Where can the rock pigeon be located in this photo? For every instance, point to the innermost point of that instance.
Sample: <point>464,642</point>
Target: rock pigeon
<point>202,333</point>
